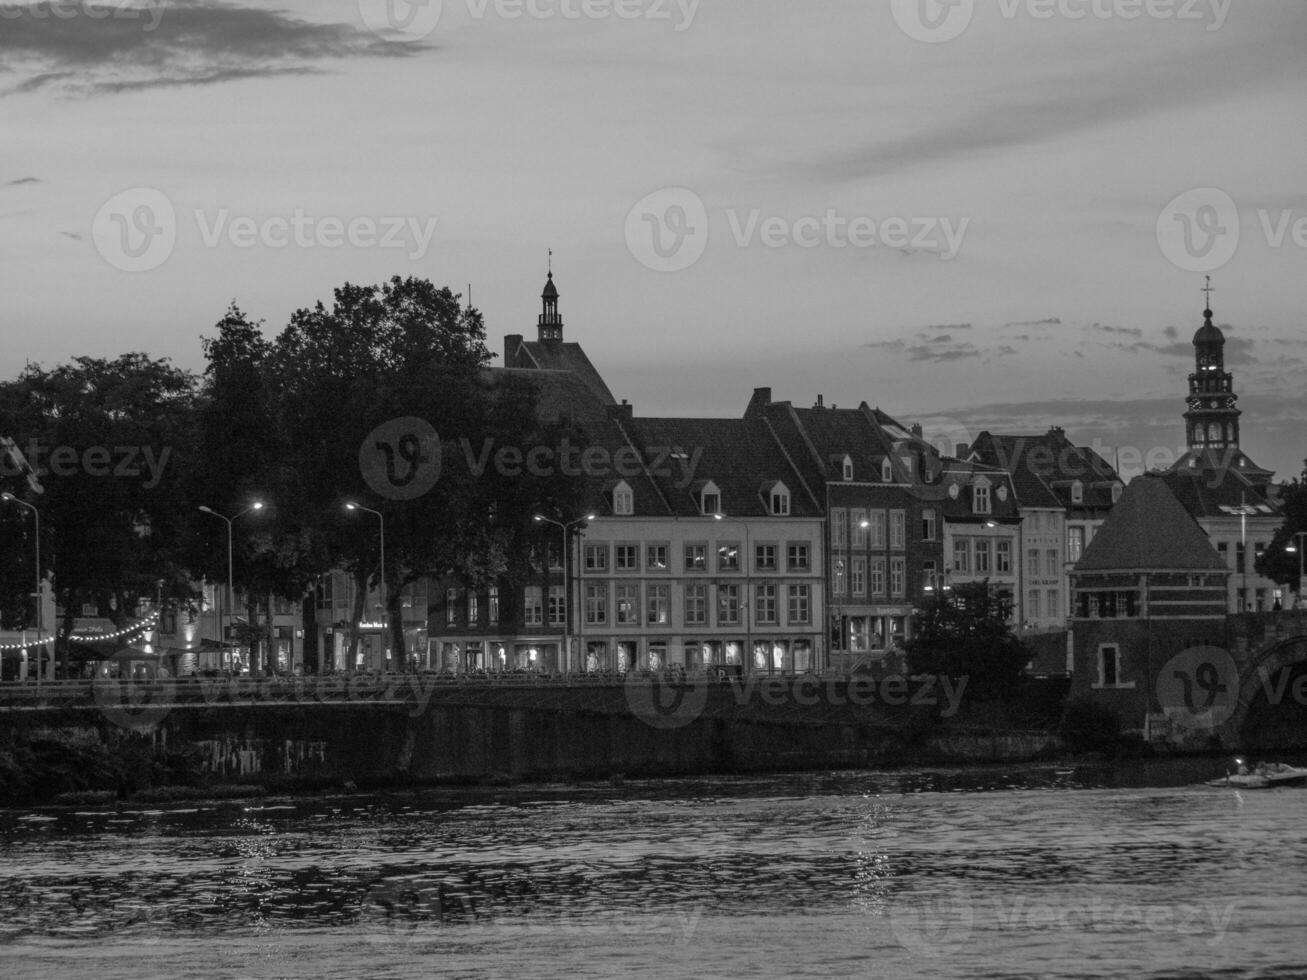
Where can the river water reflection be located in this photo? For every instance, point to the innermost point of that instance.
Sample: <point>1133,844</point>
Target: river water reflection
<point>1040,872</point>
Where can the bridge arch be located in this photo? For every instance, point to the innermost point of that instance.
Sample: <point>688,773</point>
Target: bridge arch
<point>1258,672</point>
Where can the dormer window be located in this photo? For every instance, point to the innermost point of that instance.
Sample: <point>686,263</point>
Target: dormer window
<point>848,470</point>
<point>710,500</point>
<point>623,500</point>
<point>980,502</point>
<point>1116,492</point>
<point>780,500</point>
<point>886,471</point>
<point>1077,492</point>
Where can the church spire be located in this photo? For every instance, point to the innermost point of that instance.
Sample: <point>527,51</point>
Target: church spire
<point>1212,421</point>
<point>550,323</point>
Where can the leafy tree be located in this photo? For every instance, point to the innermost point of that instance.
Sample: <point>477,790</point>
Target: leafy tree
<point>967,632</point>
<point>1275,562</point>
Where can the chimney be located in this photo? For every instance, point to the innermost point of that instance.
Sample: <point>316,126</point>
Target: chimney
<point>511,343</point>
<point>961,451</point>
<point>760,400</point>
<point>624,412</point>
<point>820,401</point>
<point>917,430</point>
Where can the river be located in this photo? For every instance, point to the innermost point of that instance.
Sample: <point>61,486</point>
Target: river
<point>983,872</point>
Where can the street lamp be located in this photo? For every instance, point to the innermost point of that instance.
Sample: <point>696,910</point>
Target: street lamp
<point>565,528</point>
<point>385,609</point>
<point>1296,548</point>
<point>9,498</point>
<point>231,603</point>
<point>745,564</point>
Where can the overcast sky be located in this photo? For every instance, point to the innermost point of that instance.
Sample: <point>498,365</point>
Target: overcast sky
<point>991,215</point>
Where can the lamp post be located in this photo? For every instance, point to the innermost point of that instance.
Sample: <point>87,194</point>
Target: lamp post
<point>565,528</point>
<point>745,565</point>
<point>231,604</point>
<point>1296,547</point>
<point>385,607</point>
<point>9,498</point>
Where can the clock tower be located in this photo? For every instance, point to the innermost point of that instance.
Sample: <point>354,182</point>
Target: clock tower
<point>1212,420</point>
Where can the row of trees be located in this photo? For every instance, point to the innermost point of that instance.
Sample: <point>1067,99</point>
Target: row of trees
<point>280,420</point>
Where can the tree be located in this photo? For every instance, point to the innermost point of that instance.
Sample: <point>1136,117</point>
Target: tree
<point>1275,562</point>
<point>967,632</point>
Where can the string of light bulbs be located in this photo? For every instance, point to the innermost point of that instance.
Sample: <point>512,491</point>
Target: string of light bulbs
<point>144,624</point>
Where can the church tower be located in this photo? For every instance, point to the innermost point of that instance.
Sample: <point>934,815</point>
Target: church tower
<point>1212,420</point>
<point>550,326</point>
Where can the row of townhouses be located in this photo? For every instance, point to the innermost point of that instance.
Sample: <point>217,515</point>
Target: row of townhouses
<point>790,538</point>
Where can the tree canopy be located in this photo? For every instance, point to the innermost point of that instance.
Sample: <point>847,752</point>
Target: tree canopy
<point>966,632</point>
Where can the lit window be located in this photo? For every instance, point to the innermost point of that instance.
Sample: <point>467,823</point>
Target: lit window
<point>623,500</point>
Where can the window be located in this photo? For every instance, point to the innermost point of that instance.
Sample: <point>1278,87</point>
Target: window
<point>800,605</point>
<point>451,607</point>
<point>596,603</point>
<point>628,602</point>
<point>980,503</point>
<point>876,529</point>
<point>765,558</point>
<point>728,605</point>
<point>962,555</point>
<point>766,604</point>
<point>657,555</point>
<point>839,577</point>
<point>780,501</point>
<point>473,612</point>
<point>728,556</point>
<point>839,529</point>
<point>1077,492</point>
<point>696,605</point>
<point>848,470</point>
<point>596,558</point>
<point>858,577</point>
<point>928,524</point>
<point>1111,668</point>
<point>492,605</point>
<point>626,557</point>
<point>553,555</point>
<point>1032,604</point>
<point>1032,561</point>
<point>1003,557</point>
<point>533,611</point>
<point>982,556</point>
<point>877,581</point>
<point>897,576</point>
<point>929,576</point>
<point>886,471</point>
<point>696,558</point>
<point>898,522</point>
<point>623,500</point>
<point>1054,603</point>
<point>325,592</point>
<point>656,612</point>
<point>1075,543</point>
<point>1223,549</point>
<point>1240,556</point>
<point>858,518</point>
<point>557,605</point>
<point>796,557</point>
<point>1050,563</point>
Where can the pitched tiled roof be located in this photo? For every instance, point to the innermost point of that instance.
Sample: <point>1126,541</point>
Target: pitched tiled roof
<point>558,356</point>
<point>1215,483</point>
<point>1149,529</point>
<point>1046,467</point>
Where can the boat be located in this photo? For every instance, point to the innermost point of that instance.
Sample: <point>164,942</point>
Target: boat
<point>1265,775</point>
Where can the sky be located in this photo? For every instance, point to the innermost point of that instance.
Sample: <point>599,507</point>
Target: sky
<point>976,214</point>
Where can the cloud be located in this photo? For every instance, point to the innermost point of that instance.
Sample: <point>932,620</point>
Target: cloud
<point>1128,331</point>
<point>942,355</point>
<point>1172,333</point>
<point>1052,321</point>
<point>23,180</point>
<point>191,42</point>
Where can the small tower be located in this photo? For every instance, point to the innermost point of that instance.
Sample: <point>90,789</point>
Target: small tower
<point>1212,420</point>
<point>550,324</point>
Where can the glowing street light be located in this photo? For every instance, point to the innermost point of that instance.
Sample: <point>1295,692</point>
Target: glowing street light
<point>565,528</point>
<point>256,506</point>
<point>385,608</point>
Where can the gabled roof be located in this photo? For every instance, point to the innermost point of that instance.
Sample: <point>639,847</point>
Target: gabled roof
<point>1221,483</point>
<point>964,474</point>
<point>1046,467</point>
<point>558,356</point>
<point>1149,529</point>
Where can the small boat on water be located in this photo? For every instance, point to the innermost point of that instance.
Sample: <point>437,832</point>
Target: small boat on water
<point>1264,775</point>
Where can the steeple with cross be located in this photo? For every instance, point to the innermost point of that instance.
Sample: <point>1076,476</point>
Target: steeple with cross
<point>1212,420</point>
<point>550,325</point>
